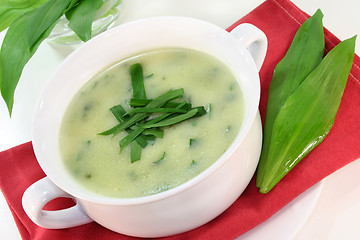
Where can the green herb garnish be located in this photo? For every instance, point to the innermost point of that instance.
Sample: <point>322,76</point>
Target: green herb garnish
<point>140,122</point>
<point>193,163</point>
<point>137,81</point>
<point>130,137</point>
<point>135,151</point>
<point>149,76</point>
<point>193,142</point>
<point>209,110</point>
<point>173,120</point>
<point>135,102</point>
<point>155,110</point>
<point>227,129</point>
<point>88,175</point>
<point>154,132</point>
<point>157,102</point>
<point>118,111</point>
<point>160,160</point>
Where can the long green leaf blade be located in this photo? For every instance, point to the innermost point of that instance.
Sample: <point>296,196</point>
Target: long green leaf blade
<point>166,97</point>
<point>118,111</point>
<point>157,102</point>
<point>136,102</point>
<point>308,114</point>
<point>164,116</point>
<point>135,151</point>
<point>155,110</point>
<point>125,124</point>
<point>304,55</point>
<point>129,138</point>
<point>81,17</point>
<point>21,41</point>
<point>154,132</point>
<point>13,60</point>
<point>173,120</point>
<point>137,81</point>
<point>11,10</point>
<point>43,18</point>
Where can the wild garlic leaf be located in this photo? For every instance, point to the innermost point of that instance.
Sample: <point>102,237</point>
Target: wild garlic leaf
<point>43,18</point>
<point>21,41</point>
<point>305,54</point>
<point>173,120</point>
<point>159,101</point>
<point>118,111</point>
<point>13,59</point>
<point>161,159</point>
<point>135,151</point>
<point>11,10</point>
<point>129,138</point>
<point>308,114</point>
<point>137,81</point>
<point>81,17</point>
<point>136,102</point>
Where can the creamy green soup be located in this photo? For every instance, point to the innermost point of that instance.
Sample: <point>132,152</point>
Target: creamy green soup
<point>186,149</point>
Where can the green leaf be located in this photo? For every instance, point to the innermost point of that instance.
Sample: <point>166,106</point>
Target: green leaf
<point>160,160</point>
<point>142,140</point>
<point>43,18</point>
<point>136,102</point>
<point>140,123</point>
<point>81,17</point>
<point>135,151</point>
<point>137,81</point>
<point>124,124</point>
<point>308,114</point>
<point>129,138</point>
<point>154,132</point>
<point>118,111</point>
<point>157,102</point>
<point>155,110</point>
<point>193,163</point>
<point>303,56</point>
<point>21,41</point>
<point>163,116</point>
<point>150,75</point>
<point>166,97</point>
<point>13,60</point>
<point>11,10</point>
<point>209,110</point>
<point>193,142</point>
<point>172,120</point>
<point>200,111</point>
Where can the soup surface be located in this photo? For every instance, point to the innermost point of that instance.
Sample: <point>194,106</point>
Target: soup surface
<point>186,149</point>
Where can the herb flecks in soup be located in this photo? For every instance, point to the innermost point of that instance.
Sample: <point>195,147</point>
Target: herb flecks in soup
<point>170,155</point>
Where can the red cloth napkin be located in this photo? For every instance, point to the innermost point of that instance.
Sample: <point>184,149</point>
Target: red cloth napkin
<point>279,19</point>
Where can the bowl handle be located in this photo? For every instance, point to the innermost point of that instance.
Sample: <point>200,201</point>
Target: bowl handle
<point>42,192</point>
<point>254,40</point>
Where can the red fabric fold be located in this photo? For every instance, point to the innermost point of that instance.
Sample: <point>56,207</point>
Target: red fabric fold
<point>279,20</point>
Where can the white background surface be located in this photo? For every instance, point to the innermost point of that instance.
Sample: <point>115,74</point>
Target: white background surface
<point>336,214</point>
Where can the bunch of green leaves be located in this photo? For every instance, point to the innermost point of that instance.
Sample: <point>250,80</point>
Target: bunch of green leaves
<point>144,122</point>
<point>30,22</point>
<point>11,10</point>
<point>304,97</point>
